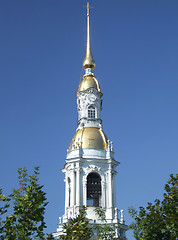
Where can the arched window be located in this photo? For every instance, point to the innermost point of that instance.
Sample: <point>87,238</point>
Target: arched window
<point>91,111</point>
<point>94,190</point>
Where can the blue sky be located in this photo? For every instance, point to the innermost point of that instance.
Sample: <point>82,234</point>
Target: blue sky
<point>134,44</point>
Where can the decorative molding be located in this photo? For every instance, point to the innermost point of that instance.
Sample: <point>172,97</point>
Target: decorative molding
<point>91,168</point>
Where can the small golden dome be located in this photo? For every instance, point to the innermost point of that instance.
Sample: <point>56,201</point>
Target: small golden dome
<point>90,137</point>
<point>89,81</point>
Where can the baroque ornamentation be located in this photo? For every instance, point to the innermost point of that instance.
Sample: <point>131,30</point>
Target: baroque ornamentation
<point>91,168</point>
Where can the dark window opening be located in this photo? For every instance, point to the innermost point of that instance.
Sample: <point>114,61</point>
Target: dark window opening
<point>91,112</point>
<point>94,190</point>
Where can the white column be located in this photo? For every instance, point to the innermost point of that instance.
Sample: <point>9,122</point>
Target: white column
<point>78,186</point>
<point>103,192</point>
<point>72,187</point>
<point>66,193</point>
<point>110,187</point>
<point>85,193</point>
<point>114,189</point>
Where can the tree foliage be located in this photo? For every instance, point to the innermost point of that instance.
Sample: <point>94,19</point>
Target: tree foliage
<point>26,221</point>
<point>104,231</point>
<point>160,219</point>
<point>77,228</point>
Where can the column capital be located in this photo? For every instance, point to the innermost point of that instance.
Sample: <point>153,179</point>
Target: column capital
<point>72,170</point>
<point>78,169</point>
<point>109,170</point>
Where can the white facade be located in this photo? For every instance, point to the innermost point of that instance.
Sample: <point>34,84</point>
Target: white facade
<point>79,164</point>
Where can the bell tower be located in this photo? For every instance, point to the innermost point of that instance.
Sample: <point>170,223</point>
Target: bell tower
<point>90,168</point>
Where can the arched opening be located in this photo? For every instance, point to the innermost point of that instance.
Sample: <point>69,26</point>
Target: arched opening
<point>93,190</point>
<point>91,111</point>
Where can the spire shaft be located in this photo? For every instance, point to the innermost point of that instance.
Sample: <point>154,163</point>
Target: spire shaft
<point>88,61</point>
<point>88,50</point>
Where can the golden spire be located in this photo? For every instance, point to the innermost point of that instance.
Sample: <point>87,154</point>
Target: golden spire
<point>88,61</point>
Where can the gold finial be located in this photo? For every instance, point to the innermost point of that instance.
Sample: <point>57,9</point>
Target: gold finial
<point>88,61</point>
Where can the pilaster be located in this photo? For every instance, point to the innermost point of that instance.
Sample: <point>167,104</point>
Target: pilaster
<point>103,189</point>
<point>78,185</point>
<point>85,193</point>
<point>72,172</point>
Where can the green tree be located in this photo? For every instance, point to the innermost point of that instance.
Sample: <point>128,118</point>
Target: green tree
<point>28,203</point>
<point>77,228</point>
<point>158,220</point>
<point>3,209</point>
<point>104,231</point>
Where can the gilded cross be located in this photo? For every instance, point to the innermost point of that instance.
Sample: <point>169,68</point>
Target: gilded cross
<point>88,8</point>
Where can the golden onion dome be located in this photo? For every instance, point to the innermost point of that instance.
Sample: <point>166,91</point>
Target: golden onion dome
<point>89,81</point>
<point>89,137</point>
